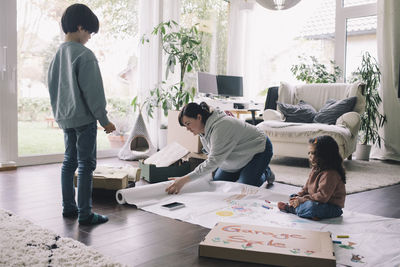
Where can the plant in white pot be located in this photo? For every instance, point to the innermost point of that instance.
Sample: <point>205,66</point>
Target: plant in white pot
<point>371,120</point>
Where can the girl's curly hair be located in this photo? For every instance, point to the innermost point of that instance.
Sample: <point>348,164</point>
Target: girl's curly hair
<point>327,156</point>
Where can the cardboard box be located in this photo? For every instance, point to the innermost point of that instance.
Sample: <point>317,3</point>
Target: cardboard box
<point>153,174</point>
<point>179,134</point>
<point>108,180</point>
<point>194,159</point>
<point>268,245</point>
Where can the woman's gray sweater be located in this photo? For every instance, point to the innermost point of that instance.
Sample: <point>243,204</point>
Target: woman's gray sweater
<point>230,143</point>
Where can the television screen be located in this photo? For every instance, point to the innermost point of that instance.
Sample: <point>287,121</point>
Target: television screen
<point>230,85</point>
<point>207,83</point>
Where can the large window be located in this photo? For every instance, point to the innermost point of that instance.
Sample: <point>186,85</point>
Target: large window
<point>275,40</point>
<point>39,36</point>
<point>278,38</point>
<point>360,38</point>
<point>212,18</point>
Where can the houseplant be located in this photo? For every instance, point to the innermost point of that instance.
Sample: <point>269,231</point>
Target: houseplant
<point>182,46</point>
<point>371,120</point>
<point>315,72</point>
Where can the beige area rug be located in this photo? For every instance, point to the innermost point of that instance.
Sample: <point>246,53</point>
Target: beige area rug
<point>23,243</point>
<point>361,175</point>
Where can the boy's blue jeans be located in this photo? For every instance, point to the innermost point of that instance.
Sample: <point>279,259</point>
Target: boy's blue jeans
<point>80,152</point>
<point>253,173</point>
<point>310,209</point>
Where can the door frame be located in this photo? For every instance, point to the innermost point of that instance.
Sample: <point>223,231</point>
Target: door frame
<point>9,97</point>
<point>8,78</point>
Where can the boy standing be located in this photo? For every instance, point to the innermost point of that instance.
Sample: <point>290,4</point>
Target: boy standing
<point>78,102</point>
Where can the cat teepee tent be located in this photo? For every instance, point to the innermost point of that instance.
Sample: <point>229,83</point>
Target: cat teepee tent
<point>138,145</point>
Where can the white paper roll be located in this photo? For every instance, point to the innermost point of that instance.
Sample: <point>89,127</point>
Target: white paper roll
<point>143,195</point>
<point>152,193</point>
<point>119,196</point>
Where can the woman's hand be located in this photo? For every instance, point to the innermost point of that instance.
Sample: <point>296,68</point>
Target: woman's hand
<point>179,182</point>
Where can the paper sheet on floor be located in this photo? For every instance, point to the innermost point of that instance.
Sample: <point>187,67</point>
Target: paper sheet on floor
<point>373,240</point>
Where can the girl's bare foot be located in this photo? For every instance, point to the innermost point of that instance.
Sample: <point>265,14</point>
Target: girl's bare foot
<point>285,207</point>
<point>282,205</point>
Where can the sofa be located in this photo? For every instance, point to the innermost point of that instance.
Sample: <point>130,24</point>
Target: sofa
<point>310,110</point>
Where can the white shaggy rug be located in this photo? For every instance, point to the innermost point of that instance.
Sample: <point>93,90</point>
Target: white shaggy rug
<point>361,175</point>
<point>23,243</point>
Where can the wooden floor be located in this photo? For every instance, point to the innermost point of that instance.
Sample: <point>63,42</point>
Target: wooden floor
<point>136,237</point>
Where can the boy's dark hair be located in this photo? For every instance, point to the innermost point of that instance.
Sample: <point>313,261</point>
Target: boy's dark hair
<point>327,155</point>
<point>191,110</point>
<point>79,15</point>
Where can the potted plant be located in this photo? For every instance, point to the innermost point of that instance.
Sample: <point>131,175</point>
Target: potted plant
<point>181,45</point>
<point>315,72</point>
<point>371,120</point>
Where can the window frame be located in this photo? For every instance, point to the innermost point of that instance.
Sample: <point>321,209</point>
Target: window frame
<point>342,14</point>
<point>8,95</point>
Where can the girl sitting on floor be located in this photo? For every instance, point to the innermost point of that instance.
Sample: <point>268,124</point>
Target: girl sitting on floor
<point>324,193</point>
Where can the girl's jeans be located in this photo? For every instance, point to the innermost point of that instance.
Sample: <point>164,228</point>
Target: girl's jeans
<point>253,173</point>
<point>80,152</point>
<point>310,209</point>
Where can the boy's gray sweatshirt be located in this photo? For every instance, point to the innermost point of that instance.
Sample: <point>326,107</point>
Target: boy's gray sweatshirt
<point>76,88</point>
<point>230,143</point>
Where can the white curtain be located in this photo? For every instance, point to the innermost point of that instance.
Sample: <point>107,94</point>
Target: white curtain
<point>388,35</point>
<point>149,58</point>
<point>153,12</point>
<point>238,40</point>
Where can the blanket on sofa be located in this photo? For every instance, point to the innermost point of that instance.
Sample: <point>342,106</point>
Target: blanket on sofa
<point>300,132</point>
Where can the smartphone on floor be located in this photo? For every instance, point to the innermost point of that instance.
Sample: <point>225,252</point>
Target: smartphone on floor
<point>173,205</point>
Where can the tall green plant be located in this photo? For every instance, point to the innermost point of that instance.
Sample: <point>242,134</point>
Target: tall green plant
<point>182,46</point>
<point>371,120</point>
<point>315,72</point>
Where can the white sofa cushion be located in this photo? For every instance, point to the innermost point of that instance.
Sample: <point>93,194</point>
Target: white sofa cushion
<point>317,94</point>
<point>354,90</point>
<point>350,120</point>
<point>286,93</point>
<point>273,115</point>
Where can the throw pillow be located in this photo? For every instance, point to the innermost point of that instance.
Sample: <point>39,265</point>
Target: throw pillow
<point>333,109</point>
<point>302,112</point>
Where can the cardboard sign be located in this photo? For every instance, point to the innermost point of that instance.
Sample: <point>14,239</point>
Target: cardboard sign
<point>268,245</point>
